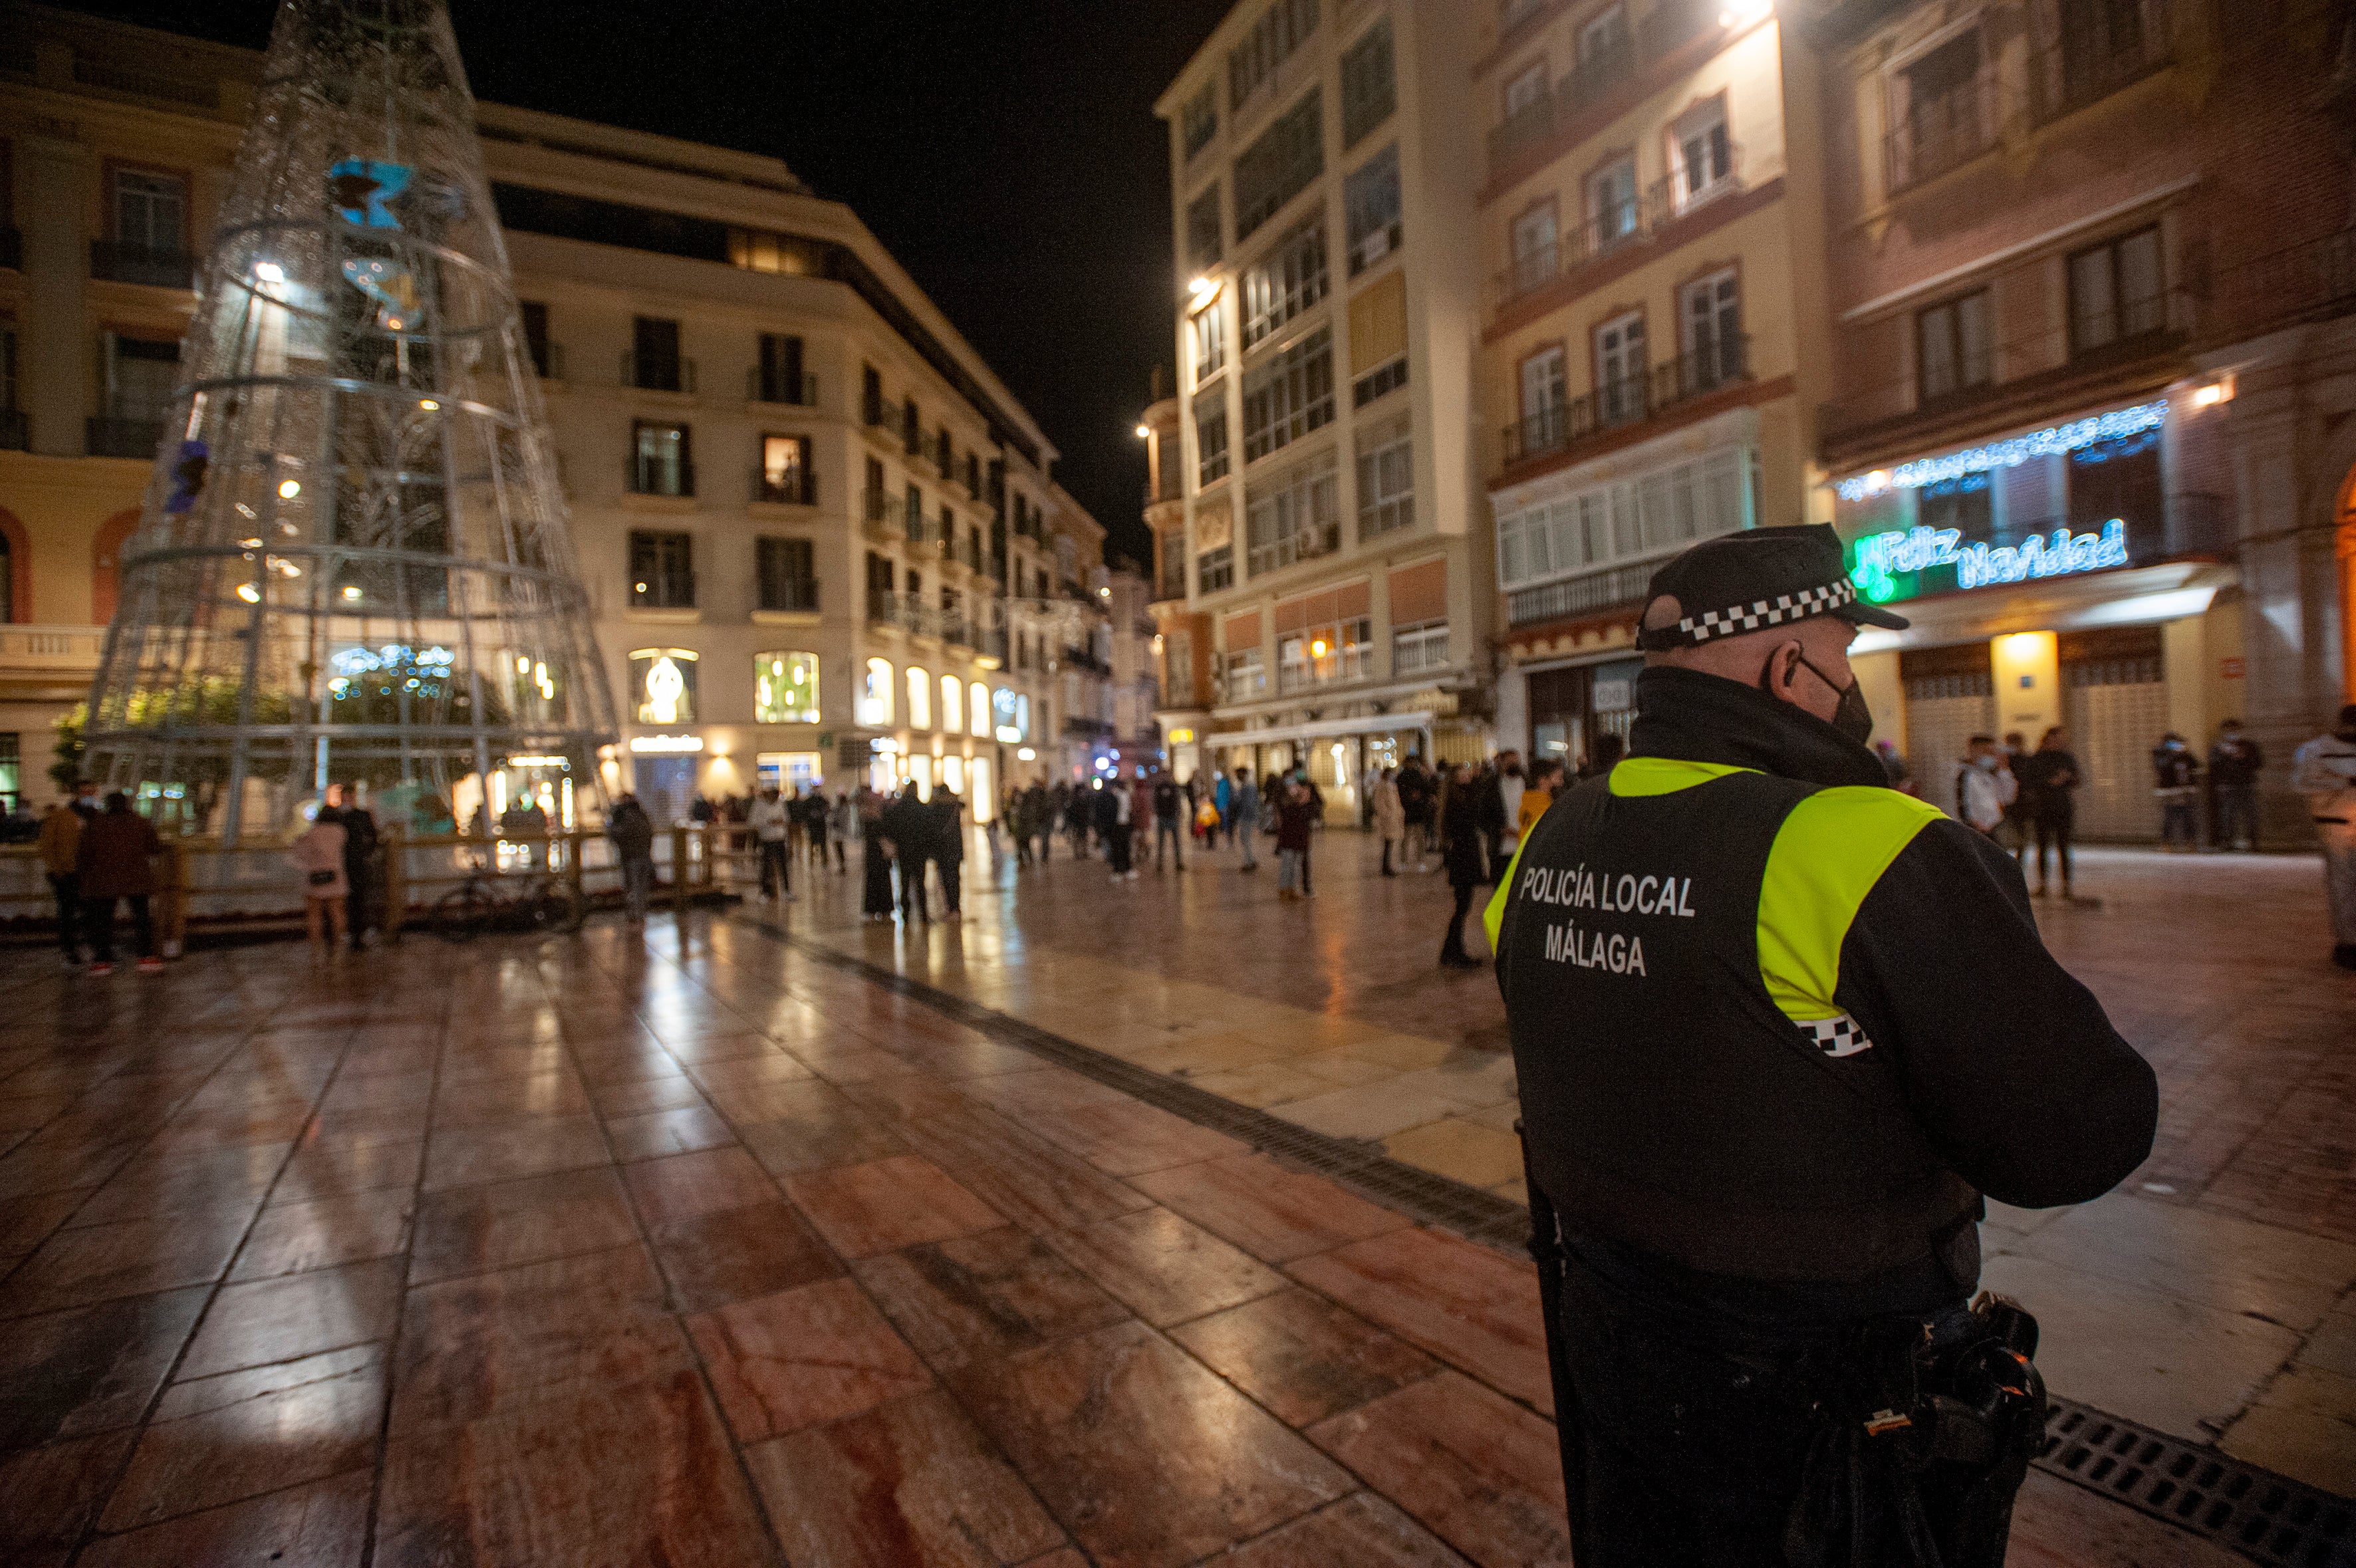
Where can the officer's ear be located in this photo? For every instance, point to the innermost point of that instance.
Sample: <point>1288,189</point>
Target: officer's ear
<point>1781,675</point>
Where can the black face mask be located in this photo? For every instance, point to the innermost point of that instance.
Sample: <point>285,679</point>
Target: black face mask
<point>1853,717</point>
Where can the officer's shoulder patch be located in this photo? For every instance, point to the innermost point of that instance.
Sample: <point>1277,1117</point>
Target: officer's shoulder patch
<point>1831,850</point>
<point>1641,775</point>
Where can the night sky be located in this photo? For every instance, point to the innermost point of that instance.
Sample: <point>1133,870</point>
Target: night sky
<point>1006,152</point>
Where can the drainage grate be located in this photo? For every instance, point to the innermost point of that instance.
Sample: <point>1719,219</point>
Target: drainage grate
<point>2266,1517</point>
<point>1477,1215</point>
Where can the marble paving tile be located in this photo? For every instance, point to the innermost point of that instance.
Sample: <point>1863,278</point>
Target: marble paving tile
<point>911,1483</point>
<point>705,1050</point>
<point>1361,1530</point>
<point>47,1495</point>
<point>1459,1150</point>
<point>2214,1259</point>
<point>492,1102</point>
<point>379,1124</point>
<point>130,1257</point>
<point>1368,1111</point>
<point>1302,1356</point>
<point>245,1446</point>
<point>1269,1210</point>
<point>1021,1175</point>
<point>732,1255</point>
<point>815,1126</point>
<point>321,1170</point>
<point>295,1315</point>
<point>2158,1359</point>
<point>370,1092</point>
<point>675,1093</point>
<point>462,1156</point>
<point>770,1065</point>
<point>684,1186</point>
<point>277,1123</point>
<point>472,1347</point>
<point>990,1293</point>
<point>290,1238</point>
<point>321,1524</point>
<point>1261,1085</point>
<point>1162,1267</point>
<point>2058,1524</point>
<point>658,1133</point>
<point>1479,1471</point>
<point>2304,1426</point>
<point>188,1396</point>
<point>470,1228</point>
<point>617,1476</point>
<point>37,1167</point>
<point>1094,1422</point>
<point>89,1369</point>
<point>1128,1137</point>
<point>886,1205</point>
<point>802,1358</point>
<point>906,1095</point>
<point>26,1222</point>
<point>188,1182</point>
<point>1471,1307</point>
<point>639,1061</point>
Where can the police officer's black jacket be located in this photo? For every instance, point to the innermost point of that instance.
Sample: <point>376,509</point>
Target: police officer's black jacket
<point>1777,1025</point>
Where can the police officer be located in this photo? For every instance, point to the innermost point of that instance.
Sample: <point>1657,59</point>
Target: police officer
<point>1778,1028</point>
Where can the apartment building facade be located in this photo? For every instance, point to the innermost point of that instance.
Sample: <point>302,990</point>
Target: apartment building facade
<point>1182,649</point>
<point>1651,350</point>
<point>1325,520</point>
<point>802,504</point>
<point>2092,284</point>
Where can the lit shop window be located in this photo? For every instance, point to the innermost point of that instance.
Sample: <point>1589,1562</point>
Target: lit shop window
<point>875,694</point>
<point>663,679</point>
<point>920,699</point>
<point>952,705</point>
<point>980,706</point>
<point>784,688</point>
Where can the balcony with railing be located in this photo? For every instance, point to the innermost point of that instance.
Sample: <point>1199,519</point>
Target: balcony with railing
<point>764,387</point>
<point>648,372</point>
<point>1079,729</point>
<point>1633,401</point>
<point>2101,50</point>
<point>790,595</point>
<point>1621,587</point>
<point>113,260</point>
<point>117,435</point>
<point>1569,107</point>
<point>1634,220</point>
<point>1944,132</point>
<point>650,475</point>
<point>797,487</point>
<point>2315,277</point>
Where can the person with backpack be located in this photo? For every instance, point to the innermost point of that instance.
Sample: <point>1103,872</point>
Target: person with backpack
<point>318,853</point>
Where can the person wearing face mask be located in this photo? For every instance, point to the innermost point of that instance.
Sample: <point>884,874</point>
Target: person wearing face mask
<point>2324,770</point>
<point>1985,788</point>
<point>2176,784</point>
<point>1761,1103</point>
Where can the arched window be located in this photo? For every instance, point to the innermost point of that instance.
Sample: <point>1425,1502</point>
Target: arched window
<point>920,699</point>
<point>875,695</point>
<point>106,563</point>
<point>981,704</point>
<point>952,705</point>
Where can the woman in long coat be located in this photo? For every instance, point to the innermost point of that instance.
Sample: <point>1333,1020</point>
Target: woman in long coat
<point>1390,815</point>
<point>1461,852</point>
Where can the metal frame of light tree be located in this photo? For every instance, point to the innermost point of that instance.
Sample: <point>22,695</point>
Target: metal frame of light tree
<point>353,559</point>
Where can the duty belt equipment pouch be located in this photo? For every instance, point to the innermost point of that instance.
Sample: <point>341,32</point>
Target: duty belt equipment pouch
<point>1924,1436</point>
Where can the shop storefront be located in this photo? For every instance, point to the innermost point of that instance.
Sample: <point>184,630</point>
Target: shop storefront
<point>2076,575</point>
<point>1342,756</point>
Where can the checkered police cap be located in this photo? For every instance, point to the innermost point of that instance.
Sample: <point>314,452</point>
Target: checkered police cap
<point>1758,578</point>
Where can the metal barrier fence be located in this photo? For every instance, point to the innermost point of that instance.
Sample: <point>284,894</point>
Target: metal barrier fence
<point>203,887</point>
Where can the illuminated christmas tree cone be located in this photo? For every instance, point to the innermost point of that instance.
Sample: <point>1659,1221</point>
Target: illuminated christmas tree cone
<point>353,564</point>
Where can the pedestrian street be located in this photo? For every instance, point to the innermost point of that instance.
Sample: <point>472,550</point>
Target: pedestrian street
<point>2208,1296</point>
<point>699,1245</point>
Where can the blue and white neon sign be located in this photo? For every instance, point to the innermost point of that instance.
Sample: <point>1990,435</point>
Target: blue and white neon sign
<point>2010,453</point>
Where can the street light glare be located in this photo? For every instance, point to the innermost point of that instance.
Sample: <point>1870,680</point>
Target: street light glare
<point>1144,433</point>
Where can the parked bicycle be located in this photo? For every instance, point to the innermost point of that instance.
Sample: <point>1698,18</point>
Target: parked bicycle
<point>541,903</point>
